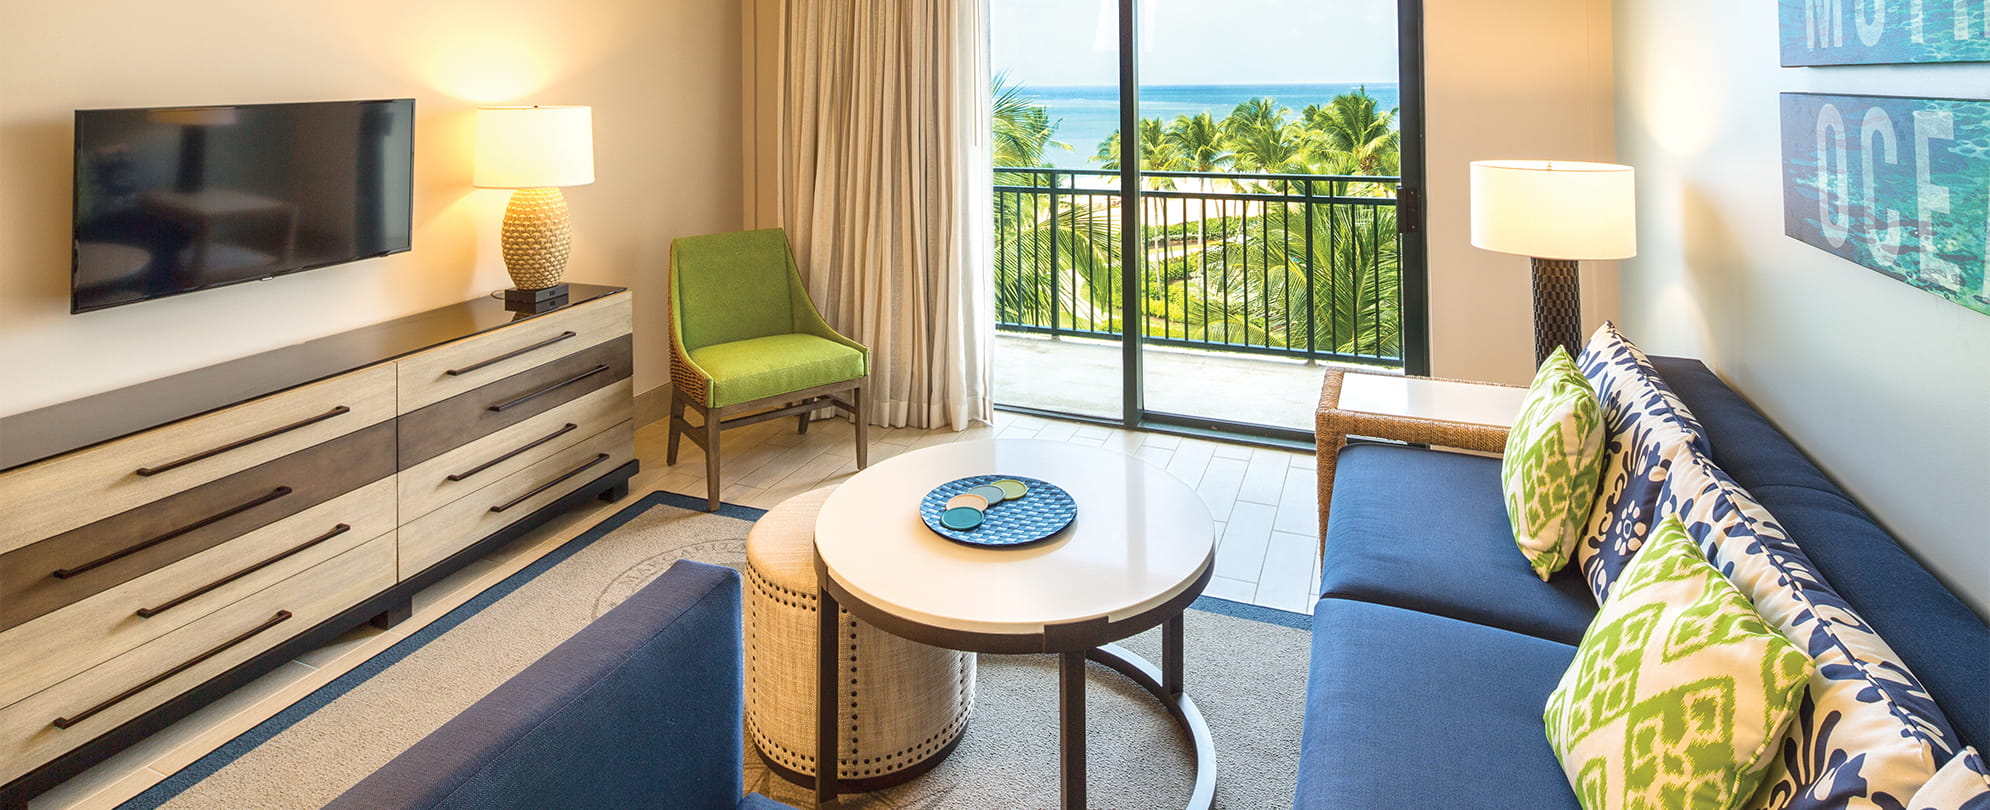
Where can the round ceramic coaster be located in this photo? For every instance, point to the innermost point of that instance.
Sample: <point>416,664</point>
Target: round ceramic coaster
<point>961,519</point>
<point>1011,488</point>
<point>993,493</point>
<point>967,500</point>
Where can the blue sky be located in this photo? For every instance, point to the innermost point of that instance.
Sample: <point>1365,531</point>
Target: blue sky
<point>1051,42</point>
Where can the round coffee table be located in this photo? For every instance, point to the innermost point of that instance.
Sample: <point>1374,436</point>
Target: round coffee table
<point>1140,550</point>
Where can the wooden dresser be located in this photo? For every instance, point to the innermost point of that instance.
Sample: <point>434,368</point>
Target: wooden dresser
<point>163,544</point>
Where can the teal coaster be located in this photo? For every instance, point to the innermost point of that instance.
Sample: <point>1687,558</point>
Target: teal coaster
<point>961,518</point>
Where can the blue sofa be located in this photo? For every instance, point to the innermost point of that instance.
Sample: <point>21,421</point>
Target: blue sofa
<point>641,709</point>
<point>1435,647</point>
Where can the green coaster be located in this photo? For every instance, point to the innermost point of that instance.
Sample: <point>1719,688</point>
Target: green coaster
<point>961,518</point>
<point>1011,488</point>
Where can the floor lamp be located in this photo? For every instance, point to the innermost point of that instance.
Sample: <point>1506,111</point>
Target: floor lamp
<point>1558,213</point>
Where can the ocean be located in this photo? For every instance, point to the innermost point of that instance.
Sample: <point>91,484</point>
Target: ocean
<point>1086,116</point>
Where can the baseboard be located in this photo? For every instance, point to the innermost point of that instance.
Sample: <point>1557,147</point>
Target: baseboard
<point>652,406</point>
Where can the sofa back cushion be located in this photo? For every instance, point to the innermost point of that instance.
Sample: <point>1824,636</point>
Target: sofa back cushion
<point>1867,733</point>
<point>1936,635</point>
<point>641,708</point>
<point>1646,430</point>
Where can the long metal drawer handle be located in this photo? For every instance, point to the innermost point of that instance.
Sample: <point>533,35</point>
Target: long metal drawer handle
<point>146,472</point>
<point>65,722</point>
<point>549,484</point>
<point>513,454</point>
<point>65,573</point>
<point>458,372</point>
<point>505,406</point>
<point>147,613</point>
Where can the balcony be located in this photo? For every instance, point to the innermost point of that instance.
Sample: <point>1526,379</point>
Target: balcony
<point>1247,282</point>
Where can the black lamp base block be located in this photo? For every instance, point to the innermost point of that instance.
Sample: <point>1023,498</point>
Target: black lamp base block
<point>535,301</point>
<point>1557,308</point>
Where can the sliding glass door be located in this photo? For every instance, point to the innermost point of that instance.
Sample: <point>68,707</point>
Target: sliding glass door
<point>1258,235</point>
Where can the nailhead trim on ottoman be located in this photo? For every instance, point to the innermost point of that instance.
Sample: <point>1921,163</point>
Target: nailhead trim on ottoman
<point>906,702</point>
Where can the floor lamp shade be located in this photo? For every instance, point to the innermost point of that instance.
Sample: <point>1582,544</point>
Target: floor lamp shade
<point>536,151</point>
<point>1557,212</point>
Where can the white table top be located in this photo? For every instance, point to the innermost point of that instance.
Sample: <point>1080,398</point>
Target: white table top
<point>1437,400</point>
<point>1141,537</point>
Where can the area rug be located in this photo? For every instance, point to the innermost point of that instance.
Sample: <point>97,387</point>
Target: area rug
<point>1246,669</point>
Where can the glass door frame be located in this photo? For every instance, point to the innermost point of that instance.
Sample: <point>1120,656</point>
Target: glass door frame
<point>1412,247</point>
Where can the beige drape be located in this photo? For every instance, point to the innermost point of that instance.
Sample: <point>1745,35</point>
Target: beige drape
<point>879,170</point>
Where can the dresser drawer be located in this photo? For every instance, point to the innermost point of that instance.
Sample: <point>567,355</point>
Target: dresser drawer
<point>467,417</point>
<point>431,538</point>
<point>45,499</point>
<point>41,727</point>
<point>466,469</point>
<point>438,374</point>
<point>71,566</point>
<point>57,645</point>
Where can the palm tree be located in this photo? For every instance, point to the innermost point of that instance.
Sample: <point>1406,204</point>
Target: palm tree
<point>1157,154</point>
<point>1350,136</point>
<point>1198,143</point>
<point>1022,128</point>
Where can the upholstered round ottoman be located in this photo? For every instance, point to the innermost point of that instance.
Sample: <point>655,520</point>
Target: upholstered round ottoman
<point>907,703</point>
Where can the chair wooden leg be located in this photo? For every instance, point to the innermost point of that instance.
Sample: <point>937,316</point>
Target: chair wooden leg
<point>801,424</point>
<point>674,414</point>
<point>712,460</point>
<point>863,427</point>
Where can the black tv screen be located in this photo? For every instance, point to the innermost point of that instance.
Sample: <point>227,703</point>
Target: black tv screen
<point>177,199</point>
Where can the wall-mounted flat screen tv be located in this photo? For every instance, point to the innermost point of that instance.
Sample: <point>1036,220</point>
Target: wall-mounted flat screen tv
<point>177,199</point>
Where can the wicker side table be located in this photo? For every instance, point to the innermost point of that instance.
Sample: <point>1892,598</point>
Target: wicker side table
<point>1420,410</point>
<point>907,703</point>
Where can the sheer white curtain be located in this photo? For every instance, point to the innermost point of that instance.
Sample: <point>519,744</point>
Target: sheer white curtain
<point>874,155</point>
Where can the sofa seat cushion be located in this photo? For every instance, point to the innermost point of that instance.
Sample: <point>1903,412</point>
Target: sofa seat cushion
<point>746,370</point>
<point>1427,530</point>
<point>1406,709</point>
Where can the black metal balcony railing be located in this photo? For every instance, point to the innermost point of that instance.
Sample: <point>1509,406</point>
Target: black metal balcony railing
<point>1284,264</point>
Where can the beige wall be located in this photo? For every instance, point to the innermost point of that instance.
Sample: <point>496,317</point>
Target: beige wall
<point>662,76</point>
<point>1885,386</point>
<point>1521,79</point>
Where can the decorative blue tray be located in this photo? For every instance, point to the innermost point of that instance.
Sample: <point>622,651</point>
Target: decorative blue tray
<point>1045,510</point>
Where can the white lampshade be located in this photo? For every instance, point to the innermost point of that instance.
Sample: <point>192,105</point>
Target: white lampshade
<point>1554,209</point>
<point>534,147</point>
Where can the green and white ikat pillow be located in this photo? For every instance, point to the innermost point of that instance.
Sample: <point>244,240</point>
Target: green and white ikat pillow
<point>1553,456</point>
<point>1679,690</point>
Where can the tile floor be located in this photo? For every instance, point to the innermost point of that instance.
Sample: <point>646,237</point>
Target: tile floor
<point>1263,501</point>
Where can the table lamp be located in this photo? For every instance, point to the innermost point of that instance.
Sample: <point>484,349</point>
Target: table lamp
<point>1556,212</point>
<point>535,150</point>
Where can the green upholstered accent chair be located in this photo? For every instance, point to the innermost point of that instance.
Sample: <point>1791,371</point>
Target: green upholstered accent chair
<point>747,345</point>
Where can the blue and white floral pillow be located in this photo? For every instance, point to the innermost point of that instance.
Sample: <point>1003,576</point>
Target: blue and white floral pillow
<point>1646,429</point>
<point>1963,784</point>
<point>1867,734</point>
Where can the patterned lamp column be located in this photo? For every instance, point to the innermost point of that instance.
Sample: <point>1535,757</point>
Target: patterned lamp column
<point>535,150</point>
<point>1558,212</point>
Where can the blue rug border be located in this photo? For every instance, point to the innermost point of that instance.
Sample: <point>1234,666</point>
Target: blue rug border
<point>179,781</point>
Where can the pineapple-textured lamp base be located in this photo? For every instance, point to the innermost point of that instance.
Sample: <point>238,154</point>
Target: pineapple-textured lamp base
<point>536,238</point>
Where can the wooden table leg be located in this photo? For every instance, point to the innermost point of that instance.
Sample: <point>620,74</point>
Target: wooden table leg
<point>1071,723</point>
<point>828,661</point>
